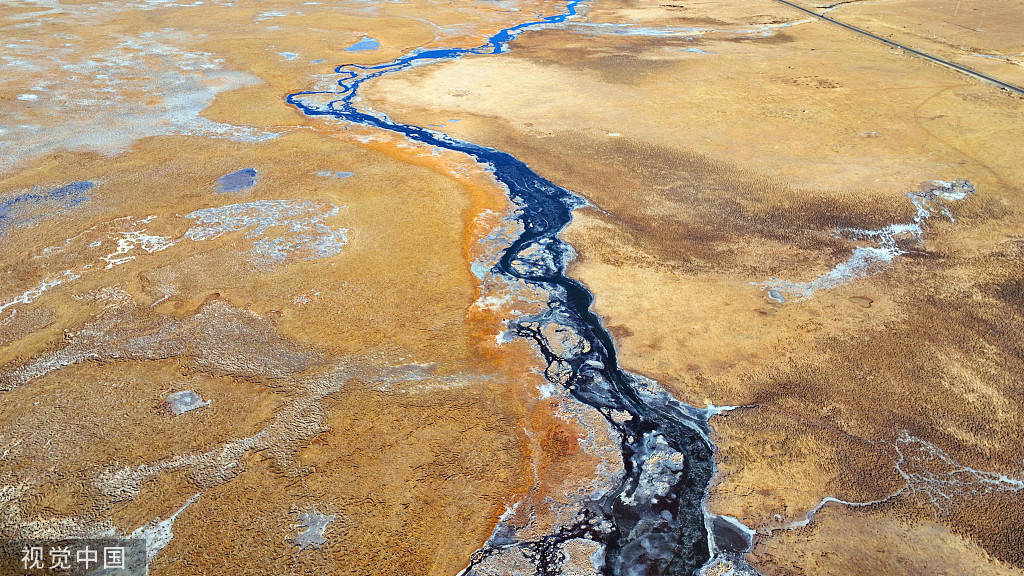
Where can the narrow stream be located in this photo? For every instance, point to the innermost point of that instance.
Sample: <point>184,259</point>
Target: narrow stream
<point>654,521</point>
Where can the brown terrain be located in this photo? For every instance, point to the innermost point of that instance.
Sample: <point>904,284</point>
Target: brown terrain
<point>350,356</point>
<point>732,149</point>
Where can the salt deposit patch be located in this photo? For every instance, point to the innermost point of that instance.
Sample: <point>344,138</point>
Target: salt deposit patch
<point>315,525</point>
<point>279,228</point>
<point>888,243</point>
<point>158,534</point>
<point>96,102</point>
<point>185,401</point>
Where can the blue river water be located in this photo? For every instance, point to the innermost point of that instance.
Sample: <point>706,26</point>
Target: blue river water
<point>654,521</point>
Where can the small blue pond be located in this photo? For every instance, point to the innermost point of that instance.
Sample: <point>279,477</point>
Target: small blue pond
<point>366,43</point>
<point>236,181</point>
<point>334,174</point>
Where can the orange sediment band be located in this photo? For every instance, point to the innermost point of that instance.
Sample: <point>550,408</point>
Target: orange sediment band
<point>487,206</point>
<point>554,461</point>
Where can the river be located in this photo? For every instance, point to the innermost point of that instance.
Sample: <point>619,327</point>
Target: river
<point>654,521</point>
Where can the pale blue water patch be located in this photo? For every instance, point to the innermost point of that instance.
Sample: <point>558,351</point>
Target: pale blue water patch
<point>185,401</point>
<point>366,43</point>
<point>237,181</point>
<point>288,55</point>
<point>271,14</point>
<point>697,51</point>
<point>315,525</point>
<point>318,61</point>
<point>30,207</point>
<point>334,174</point>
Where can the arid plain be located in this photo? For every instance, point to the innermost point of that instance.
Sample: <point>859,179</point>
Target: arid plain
<point>815,231</point>
<point>734,149</point>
